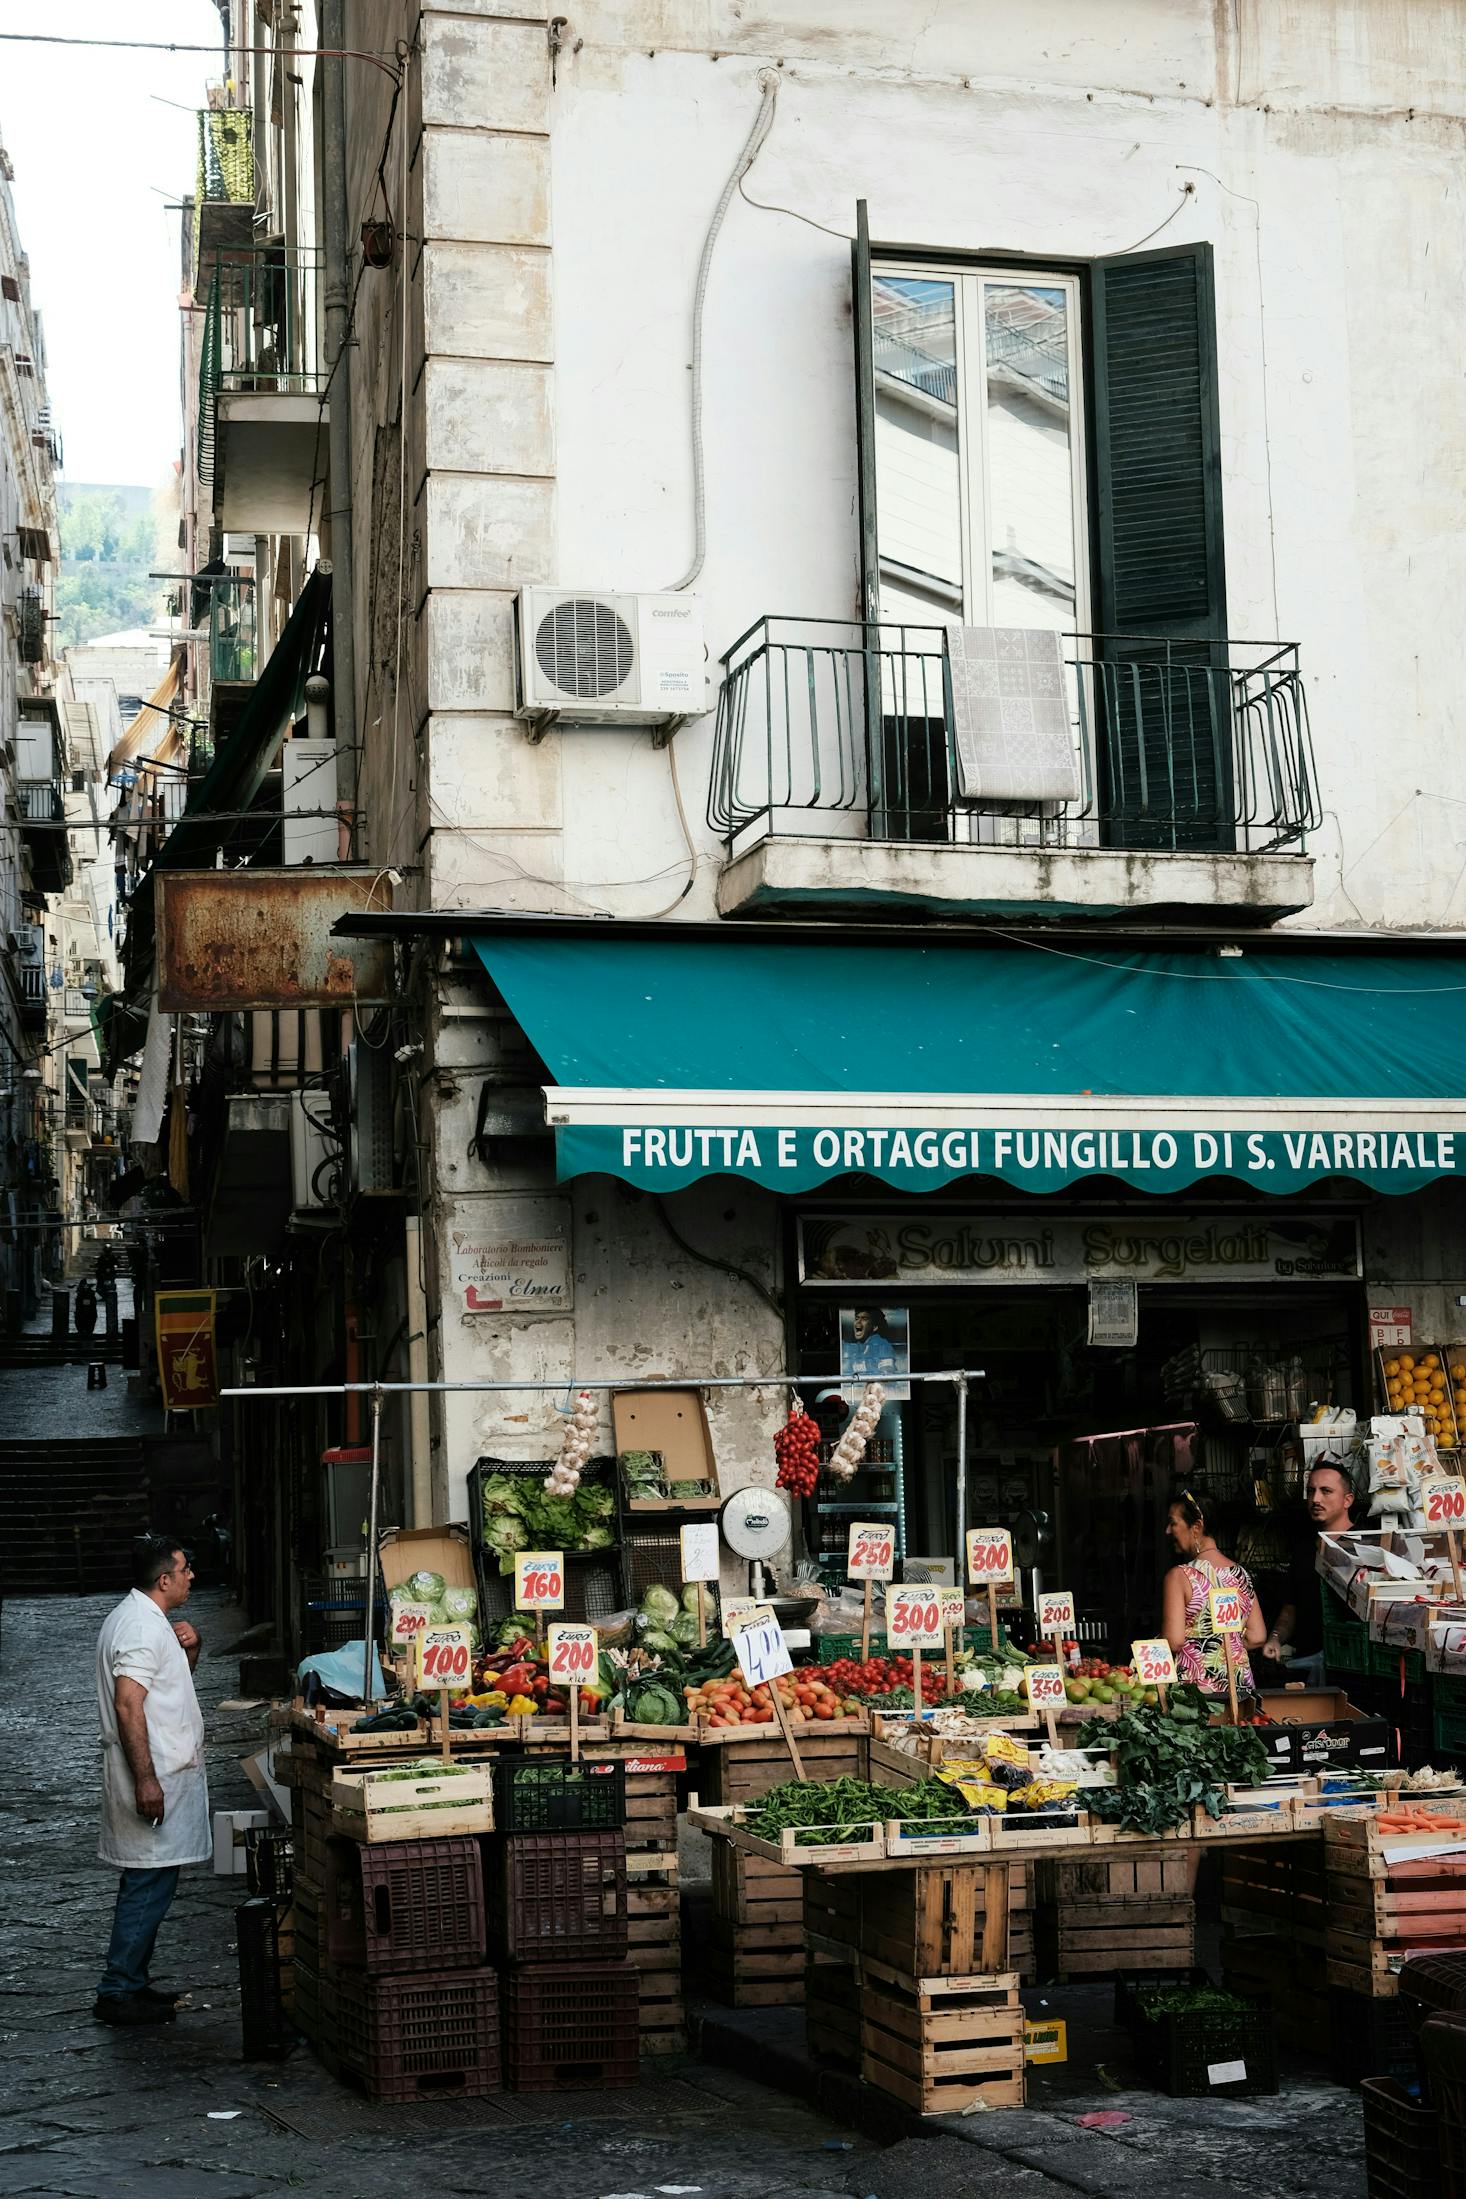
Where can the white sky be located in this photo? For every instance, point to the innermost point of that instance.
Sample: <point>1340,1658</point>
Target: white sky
<point>97,158</point>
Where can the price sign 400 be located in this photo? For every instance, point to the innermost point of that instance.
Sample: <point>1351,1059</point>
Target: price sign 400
<point>1228,1614</point>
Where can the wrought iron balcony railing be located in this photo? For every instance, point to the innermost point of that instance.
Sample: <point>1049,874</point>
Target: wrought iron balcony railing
<point>260,331</point>
<point>232,631</point>
<point>40,802</point>
<point>835,728</point>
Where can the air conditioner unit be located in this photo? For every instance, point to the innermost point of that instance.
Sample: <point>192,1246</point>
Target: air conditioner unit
<point>592,658</point>
<point>32,946</point>
<point>369,1118</point>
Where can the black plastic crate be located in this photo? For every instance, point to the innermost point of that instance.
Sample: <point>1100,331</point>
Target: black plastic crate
<point>1402,2157</point>
<point>593,1585</point>
<point>1130,1984</point>
<point>1443,2055</point>
<point>404,1905</point>
<point>558,1897</point>
<point>538,1794</point>
<point>431,2036</point>
<point>1431,1985</point>
<point>1369,2038</point>
<point>1207,2053</point>
<point>269,1861</point>
<point>571,2029</point>
<point>261,1930</point>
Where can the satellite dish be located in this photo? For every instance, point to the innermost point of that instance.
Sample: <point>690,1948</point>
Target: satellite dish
<point>755,1523</point>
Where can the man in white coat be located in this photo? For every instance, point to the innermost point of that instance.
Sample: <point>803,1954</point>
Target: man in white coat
<point>155,1799</point>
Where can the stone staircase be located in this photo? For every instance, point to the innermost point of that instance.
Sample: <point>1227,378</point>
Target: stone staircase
<point>69,1510</point>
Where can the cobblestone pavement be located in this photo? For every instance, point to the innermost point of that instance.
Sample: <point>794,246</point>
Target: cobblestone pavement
<point>88,2113</point>
<point>46,1402</point>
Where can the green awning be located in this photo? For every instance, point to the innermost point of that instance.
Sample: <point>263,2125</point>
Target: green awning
<point>215,815</point>
<point>790,1063</point>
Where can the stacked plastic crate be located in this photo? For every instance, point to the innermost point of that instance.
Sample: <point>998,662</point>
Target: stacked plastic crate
<point>557,1915</point>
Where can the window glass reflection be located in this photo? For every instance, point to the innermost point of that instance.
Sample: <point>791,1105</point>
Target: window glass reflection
<point>1030,478</point>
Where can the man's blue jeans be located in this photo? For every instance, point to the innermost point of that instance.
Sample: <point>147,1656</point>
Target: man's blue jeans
<point>143,1899</point>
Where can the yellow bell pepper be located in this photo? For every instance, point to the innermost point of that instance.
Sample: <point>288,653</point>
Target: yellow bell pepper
<point>496,1699</point>
<point>522,1706</point>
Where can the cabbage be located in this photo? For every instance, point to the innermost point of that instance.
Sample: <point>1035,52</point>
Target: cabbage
<point>504,1531</point>
<point>596,1538</point>
<point>683,1630</point>
<point>689,1595</point>
<point>659,1605</point>
<point>424,1586</point>
<point>662,1643</point>
<point>460,1603</point>
<point>504,1493</point>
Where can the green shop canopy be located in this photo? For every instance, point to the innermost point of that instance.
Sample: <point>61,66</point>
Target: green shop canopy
<point>789,1063</point>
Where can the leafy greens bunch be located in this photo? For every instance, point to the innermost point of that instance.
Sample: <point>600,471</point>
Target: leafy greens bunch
<point>1169,1760</point>
<point>519,1516</point>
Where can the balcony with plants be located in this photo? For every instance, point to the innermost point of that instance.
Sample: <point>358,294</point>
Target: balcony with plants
<point>261,405</point>
<point>876,767</point>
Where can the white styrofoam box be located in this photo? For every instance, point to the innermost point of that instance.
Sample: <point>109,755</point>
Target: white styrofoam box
<point>230,1827</point>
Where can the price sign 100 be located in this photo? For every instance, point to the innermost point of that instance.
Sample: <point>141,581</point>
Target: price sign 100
<point>539,1580</point>
<point>1443,1501</point>
<point>445,1656</point>
<point>572,1653</point>
<point>914,1618</point>
<point>872,1551</point>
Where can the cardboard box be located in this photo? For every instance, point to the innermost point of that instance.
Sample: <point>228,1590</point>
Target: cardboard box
<point>1324,1732</point>
<point>672,1421</point>
<point>230,1827</point>
<point>445,1550</point>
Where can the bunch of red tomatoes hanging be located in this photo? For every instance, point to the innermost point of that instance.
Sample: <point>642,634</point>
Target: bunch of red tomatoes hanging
<point>797,1449</point>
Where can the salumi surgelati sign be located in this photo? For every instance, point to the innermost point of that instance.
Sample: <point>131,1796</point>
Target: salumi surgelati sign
<point>662,1156</point>
<point>1035,1247</point>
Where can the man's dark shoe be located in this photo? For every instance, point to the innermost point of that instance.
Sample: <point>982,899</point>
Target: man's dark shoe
<point>161,1997</point>
<point>124,2010</point>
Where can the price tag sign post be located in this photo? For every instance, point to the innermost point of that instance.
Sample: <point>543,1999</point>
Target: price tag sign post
<point>572,1661</point>
<point>1228,1617</point>
<point>914,1622</point>
<point>952,1603</point>
<point>444,1661</point>
<point>699,1545</point>
<point>990,1566</point>
<point>1044,1687</point>
<point>870,1556</point>
<point>1443,1501</point>
<point>539,1586</point>
<point>1155,1666</point>
<point>763,1659</point>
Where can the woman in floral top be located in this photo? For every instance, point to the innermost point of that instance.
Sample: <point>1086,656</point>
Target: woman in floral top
<point>1201,1655</point>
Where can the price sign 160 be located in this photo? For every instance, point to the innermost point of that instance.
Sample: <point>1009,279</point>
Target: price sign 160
<point>445,1656</point>
<point>914,1618</point>
<point>1443,1501</point>
<point>1227,1612</point>
<point>1154,1663</point>
<point>1044,1687</point>
<point>872,1552</point>
<point>989,1557</point>
<point>572,1653</point>
<point>539,1580</point>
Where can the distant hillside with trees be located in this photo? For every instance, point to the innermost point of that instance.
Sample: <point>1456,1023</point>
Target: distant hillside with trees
<point>109,546</point>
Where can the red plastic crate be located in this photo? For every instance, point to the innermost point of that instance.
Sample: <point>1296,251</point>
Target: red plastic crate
<point>557,1896</point>
<point>571,2029</point>
<point>429,2037</point>
<point>407,1905</point>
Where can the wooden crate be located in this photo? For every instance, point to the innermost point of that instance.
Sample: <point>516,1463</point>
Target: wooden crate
<point>1291,1977</point>
<point>942,2045</point>
<point>832,1996</point>
<point>1275,1887</point>
<point>755,1952</point>
<point>1100,1915</point>
<point>654,1949</point>
<point>1388,1897</point>
<point>1114,1878</point>
<point>944,1920</point>
<point>740,1770</point>
<point>369,1806</point>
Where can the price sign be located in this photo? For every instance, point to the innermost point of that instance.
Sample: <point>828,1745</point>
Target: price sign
<point>539,1580</point>
<point>763,1653</point>
<point>700,1552</point>
<point>1443,1501</point>
<point>1154,1664</point>
<point>1227,1611</point>
<point>741,1611</point>
<point>914,1617</point>
<point>989,1557</point>
<point>444,1656</point>
<point>872,1551</point>
<point>1044,1687</point>
<point>952,1603</point>
<point>1056,1612</point>
<point>408,1621</point>
<point>573,1652</point>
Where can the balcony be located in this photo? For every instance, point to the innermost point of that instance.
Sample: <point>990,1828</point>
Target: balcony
<point>261,435</point>
<point>840,765</point>
<point>33,997</point>
<point>224,186</point>
<point>42,811</point>
<point>232,659</point>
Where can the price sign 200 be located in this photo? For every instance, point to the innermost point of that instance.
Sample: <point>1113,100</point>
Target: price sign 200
<point>445,1656</point>
<point>1154,1662</point>
<point>572,1652</point>
<point>1443,1500</point>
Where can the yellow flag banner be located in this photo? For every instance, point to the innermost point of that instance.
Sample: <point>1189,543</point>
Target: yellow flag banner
<point>188,1370</point>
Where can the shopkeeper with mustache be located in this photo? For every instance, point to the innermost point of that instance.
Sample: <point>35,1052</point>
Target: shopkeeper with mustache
<point>1299,1623</point>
